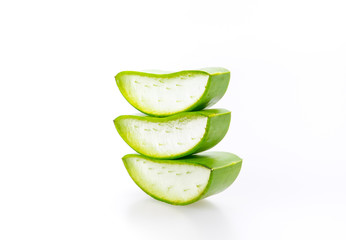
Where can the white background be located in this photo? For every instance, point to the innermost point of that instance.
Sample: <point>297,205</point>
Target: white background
<point>61,175</point>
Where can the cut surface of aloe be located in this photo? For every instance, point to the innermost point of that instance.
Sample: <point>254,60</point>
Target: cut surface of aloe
<point>185,180</point>
<point>174,136</point>
<point>163,94</point>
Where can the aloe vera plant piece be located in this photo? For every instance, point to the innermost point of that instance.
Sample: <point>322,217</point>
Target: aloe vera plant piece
<point>186,180</point>
<point>174,136</point>
<point>163,94</point>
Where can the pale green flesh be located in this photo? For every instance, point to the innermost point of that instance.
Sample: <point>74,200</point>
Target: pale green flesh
<point>163,96</point>
<point>171,182</point>
<point>185,180</point>
<point>165,139</point>
<point>175,136</point>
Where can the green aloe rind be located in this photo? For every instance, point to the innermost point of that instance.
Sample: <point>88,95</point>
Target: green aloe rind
<point>174,136</point>
<point>164,94</point>
<point>186,180</point>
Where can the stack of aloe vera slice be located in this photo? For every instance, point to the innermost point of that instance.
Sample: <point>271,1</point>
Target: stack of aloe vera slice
<point>167,166</point>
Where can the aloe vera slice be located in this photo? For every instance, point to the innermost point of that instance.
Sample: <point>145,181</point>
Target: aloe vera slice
<point>186,180</point>
<point>174,136</point>
<point>163,94</point>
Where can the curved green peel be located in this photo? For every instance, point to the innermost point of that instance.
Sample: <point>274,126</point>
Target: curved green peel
<point>185,180</point>
<point>163,94</point>
<point>174,136</point>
